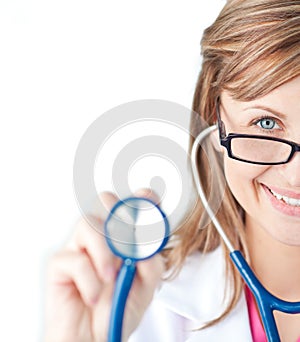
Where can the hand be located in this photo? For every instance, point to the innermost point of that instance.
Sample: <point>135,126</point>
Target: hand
<point>80,284</point>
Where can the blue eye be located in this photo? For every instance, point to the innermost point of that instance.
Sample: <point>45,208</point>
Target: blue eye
<point>267,123</point>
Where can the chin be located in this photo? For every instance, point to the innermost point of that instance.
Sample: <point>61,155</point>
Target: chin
<point>283,232</point>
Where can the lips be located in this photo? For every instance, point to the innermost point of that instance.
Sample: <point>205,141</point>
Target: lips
<point>287,193</point>
<point>288,205</point>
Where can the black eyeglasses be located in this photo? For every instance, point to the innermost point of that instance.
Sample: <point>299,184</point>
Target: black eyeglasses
<point>255,149</point>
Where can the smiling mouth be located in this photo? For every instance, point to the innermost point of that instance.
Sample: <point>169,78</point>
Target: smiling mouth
<point>293,202</point>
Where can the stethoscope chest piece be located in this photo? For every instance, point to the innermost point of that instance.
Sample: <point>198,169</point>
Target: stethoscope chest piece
<point>136,229</point>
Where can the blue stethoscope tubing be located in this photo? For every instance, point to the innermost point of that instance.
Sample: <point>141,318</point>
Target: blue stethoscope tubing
<point>121,291</point>
<point>266,301</point>
<point>127,271</point>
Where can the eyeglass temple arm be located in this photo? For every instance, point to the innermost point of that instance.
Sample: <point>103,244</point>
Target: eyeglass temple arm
<point>221,126</point>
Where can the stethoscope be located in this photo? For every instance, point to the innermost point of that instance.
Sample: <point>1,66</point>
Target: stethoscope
<point>267,302</point>
<point>135,230</point>
<point>131,237</point>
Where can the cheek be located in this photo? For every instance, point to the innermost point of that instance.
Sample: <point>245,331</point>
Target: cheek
<point>242,179</point>
<point>237,174</point>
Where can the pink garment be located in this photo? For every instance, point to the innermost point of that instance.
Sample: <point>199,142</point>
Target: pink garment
<point>258,333</point>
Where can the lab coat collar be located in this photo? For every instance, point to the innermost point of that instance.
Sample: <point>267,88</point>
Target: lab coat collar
<point>197,294</point>
<point>198,290</point>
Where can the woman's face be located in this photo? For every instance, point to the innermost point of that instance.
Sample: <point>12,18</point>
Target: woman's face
<point>269,194</point>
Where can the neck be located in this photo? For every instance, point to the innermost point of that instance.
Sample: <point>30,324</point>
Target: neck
<point>276,265</point>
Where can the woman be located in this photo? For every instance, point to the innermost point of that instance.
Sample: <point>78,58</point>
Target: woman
<point>250,80</point>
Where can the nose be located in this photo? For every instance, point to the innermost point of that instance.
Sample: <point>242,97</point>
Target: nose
<point>291,170</point>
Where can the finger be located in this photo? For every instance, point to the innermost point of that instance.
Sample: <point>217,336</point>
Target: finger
<point>150,270</point>
<point>93,242</point>
<point>148,277</point>
<point>71,269</point>
<point>102,205</point>
<point>148,193</point>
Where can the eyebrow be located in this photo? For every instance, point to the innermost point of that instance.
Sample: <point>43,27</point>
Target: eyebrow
<point>268,109</point>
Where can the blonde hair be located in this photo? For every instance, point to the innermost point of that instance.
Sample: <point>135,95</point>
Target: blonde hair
<point>252,48</point>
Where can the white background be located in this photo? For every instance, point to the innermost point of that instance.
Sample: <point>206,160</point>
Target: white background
<point>62,64</point>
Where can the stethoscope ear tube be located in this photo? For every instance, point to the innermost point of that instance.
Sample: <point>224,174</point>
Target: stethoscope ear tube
<point>263,298</point>
<point>266,302</point>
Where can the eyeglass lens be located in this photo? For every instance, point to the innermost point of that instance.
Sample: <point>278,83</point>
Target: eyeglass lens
<point>260,150</point>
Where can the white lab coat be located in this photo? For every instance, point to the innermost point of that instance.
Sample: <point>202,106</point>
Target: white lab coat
<point>194,297</point>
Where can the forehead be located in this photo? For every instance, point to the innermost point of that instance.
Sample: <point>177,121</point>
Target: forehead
<point>284,99</point>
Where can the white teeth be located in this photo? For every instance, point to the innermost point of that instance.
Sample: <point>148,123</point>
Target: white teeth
<point>294,202</point>
<point>291,201</point>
